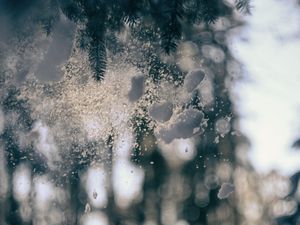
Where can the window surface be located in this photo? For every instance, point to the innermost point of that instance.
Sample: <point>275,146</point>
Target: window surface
<point>172,112</point>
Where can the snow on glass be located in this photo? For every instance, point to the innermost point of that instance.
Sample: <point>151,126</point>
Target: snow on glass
<point>76,109</point>
<point>80,109</point>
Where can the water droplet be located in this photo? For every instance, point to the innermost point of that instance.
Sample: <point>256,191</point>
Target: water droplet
<point>95,194</point>
<point>87,208</point>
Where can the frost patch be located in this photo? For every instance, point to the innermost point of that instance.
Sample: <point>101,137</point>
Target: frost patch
<point>161,112</point>
<point>225,190</point>
<point>137,88</point>
<point>193,79</point>
<point>184,126</point>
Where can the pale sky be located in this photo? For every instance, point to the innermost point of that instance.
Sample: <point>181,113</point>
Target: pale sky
<point>269,48</point>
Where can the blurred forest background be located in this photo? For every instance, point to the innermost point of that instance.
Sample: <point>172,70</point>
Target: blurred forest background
<point>126,112</point>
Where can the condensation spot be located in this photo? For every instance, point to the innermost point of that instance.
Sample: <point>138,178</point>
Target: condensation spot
<point>193,79</point>
<point>161,112</point>
<point>225,190</point>
<point>137,88</point>
<point>183,126</point>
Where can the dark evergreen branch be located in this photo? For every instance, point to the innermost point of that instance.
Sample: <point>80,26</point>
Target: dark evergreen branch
<point>97,56</point>
<point>167,16</point>
<point>131,9</point>
<point>49,15</point>
<point>170,24</point>
<point>243,6</point>
<point>115,13</point>
<point>72,10</point>
<point>95,29</point>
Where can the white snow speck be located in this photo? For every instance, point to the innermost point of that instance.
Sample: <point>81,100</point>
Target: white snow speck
<point>87,208</point>
<point>222,126</point>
